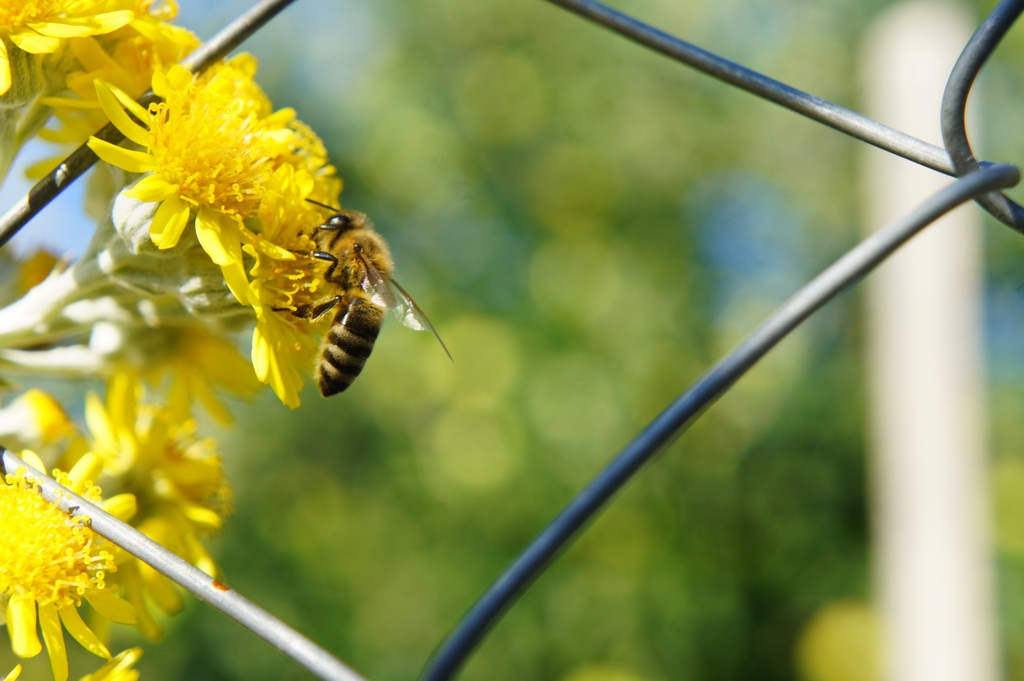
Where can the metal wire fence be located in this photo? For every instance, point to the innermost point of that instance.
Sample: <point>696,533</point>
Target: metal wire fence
<point>977,180</point>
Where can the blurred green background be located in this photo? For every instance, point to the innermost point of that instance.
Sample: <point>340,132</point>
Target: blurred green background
<point>589,226</point>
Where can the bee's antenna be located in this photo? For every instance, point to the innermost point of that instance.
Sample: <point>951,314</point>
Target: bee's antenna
<point>324,205</point>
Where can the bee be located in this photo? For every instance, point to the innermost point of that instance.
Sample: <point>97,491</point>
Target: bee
<point>360,271</point>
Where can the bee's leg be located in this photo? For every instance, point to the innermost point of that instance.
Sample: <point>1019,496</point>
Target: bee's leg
<point>324,255</point>
<point>320,309</point>
<point>313,311</point>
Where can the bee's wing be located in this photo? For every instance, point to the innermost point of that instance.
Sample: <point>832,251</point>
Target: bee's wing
<point>376,284</point>
<point>387,292</point>
<point>410,314</point>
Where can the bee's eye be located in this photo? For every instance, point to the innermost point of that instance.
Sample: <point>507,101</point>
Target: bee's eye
<point>339,221</point>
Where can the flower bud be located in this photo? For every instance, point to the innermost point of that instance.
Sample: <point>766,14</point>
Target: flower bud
<point>185,271</point>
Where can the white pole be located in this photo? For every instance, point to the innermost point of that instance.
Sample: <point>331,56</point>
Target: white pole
<point>933,570</point>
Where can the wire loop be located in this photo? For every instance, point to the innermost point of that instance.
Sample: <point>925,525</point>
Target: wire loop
<point>689,406</point>
<point>954,106</point>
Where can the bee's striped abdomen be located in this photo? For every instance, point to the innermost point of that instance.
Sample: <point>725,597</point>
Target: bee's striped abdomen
<point>347,345</point>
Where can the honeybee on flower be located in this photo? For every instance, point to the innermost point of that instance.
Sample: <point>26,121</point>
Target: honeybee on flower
<point>218,157</point>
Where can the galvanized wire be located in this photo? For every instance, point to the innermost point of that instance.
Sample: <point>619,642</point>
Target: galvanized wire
<point>83,158</point>
<point>272,630</point>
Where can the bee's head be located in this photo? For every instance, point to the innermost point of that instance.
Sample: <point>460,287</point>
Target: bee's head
<point>342,222</point>
<point>345,220</point>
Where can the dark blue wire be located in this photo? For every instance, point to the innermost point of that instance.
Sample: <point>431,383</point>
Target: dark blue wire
<point>821,110</point>
<point>668,425</point>
<point>954,105</point>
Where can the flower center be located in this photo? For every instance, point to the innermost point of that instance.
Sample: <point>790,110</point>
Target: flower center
<point>213,150</point>
<point>293,284</point>
<point>44,554</point>
<point>14,14</point>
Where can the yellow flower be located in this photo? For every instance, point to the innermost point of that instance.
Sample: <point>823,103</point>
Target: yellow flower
<point>203,360</point>
<point>15,673</point>
<point>282,355</point>
<point>215,147</point>
<point>192,364</point>
<point>119,668</point>
<point>170,470</point>
<point>127,59</point>
<point>49,563</point>
<point>209,146</point>
<point>39,26</point>
<point>284,279</point>
<point>309,155</point>
<point>177,478</point>
<point>35,419</point>
<point>148,590</point>
<point>35,268</point>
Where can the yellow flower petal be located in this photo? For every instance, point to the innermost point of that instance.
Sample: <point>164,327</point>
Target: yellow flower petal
<point>219,236</point>
<point>91,55</point>
<point>204,517</point>
<point>119,668</point>
<point>52,422</point>
<point>238,284</point>
<point>33,43</point>
<point>33,460</point>
<point>117,451</point>
<point>135,590</point>
<point>274,251</point>
<point>132,161</point>
<point>99,424</point>
<point>67,103</point>
<point>121,506</point>
<point>15,673</point>
<point>160,85</point>
<point>176,78</point>
<point>5,69</point>
<point>82,633</point>
<point>58,31</point>
<point>222,362</point>
<point>152,188</point>
<point>39,170</point>
<point>53,634</point>
<point>21,625</point>
<point>112,107</point>
<point>123,393</point>
<point>162,591</point>
<point>282,377</point>
<point>169,222</point>
<point>85,471</point>
<point>130,105</point>
<point>114,608</point>
<point>79,27</point>
<point>179,77</point>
